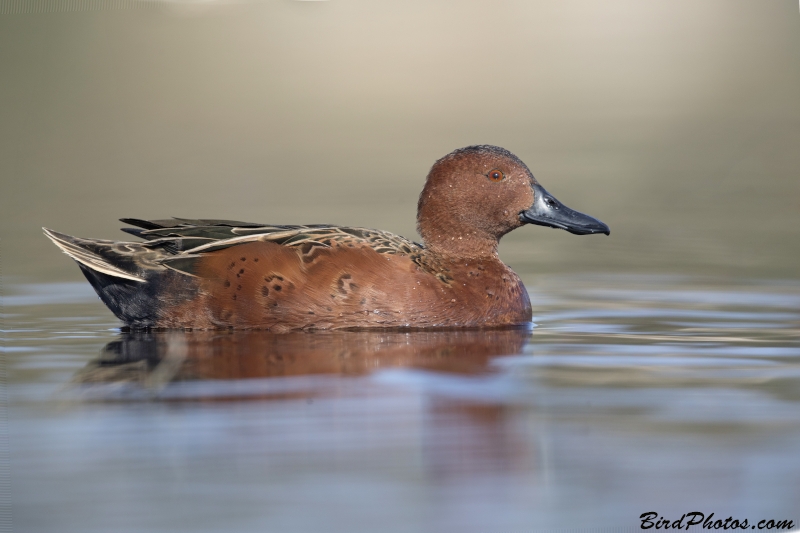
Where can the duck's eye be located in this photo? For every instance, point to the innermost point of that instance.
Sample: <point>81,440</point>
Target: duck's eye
<point>496,175</point>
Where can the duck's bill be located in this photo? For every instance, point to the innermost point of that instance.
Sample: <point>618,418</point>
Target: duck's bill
<point>547,211</point>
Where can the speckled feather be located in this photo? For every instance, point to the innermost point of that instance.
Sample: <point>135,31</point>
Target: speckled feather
<point>185,238</point>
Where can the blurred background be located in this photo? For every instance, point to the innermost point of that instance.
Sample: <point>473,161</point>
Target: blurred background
<point>675,122</point>
<point>663,371</point>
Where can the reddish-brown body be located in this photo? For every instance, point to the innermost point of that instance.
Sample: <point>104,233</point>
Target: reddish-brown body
<point>265,285</point>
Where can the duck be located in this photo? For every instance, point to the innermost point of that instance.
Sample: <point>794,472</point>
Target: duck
<point>222,274</point>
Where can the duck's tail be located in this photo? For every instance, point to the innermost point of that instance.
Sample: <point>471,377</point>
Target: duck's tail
<point>117,274</point>
<point>96,255</point>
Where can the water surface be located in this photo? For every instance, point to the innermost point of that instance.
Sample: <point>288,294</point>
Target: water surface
<point>628,395</point>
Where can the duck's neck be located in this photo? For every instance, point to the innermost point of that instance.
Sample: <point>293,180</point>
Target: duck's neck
<point>469,245</point>
<point>448,229</point>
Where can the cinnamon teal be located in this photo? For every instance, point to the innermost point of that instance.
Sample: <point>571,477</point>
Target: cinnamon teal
<point>210,274</point>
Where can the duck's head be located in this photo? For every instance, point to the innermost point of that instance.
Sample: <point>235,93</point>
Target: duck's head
<point>475,195</point>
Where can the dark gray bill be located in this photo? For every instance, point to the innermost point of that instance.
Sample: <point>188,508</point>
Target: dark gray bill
<point>547,211</point>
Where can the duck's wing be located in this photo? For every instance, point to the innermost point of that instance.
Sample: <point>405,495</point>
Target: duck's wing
<point>192,236</point>
<point>179,243</point>
<point>207,229</point>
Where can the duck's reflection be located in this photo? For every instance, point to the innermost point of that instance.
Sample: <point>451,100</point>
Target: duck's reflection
<point>456,436</point>
<point>163,357</point>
